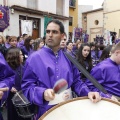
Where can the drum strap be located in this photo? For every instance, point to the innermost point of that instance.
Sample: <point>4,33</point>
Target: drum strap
<point>86,73</point>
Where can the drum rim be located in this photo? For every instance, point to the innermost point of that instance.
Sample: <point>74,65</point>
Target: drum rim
<point>74,99</point>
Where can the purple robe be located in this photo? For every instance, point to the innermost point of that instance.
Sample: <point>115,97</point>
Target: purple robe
<point>6,78</point>
<point>95,58</point>
<point>43,68</point>
<point>107,73</point>
<point>11,111</point>
<point>7,45</point>
<point>18,77</point>
<point>20,44</point>
<point>26,52</point>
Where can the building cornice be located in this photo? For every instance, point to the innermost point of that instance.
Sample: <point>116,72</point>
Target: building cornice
<point>100,9</point>
<point>38,12</point>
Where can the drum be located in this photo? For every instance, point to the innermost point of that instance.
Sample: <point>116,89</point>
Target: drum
<point>23,107</point>
<point>84,109</point>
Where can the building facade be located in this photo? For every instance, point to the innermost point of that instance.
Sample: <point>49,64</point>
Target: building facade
<point>73,16</point>
<point>111,16</point>
<point>38,12</point>
<point>93,23</point>
<point>81,9</point>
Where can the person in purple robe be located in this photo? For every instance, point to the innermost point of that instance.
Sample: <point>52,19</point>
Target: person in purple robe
<point>84,58</point>
<point>107,73</point>
<point>69,47</point>
<point>6,81</point>
<point>13,41</point>
<point>27,49</point>
<point>14,58</point>
<point>95,53</point>
<point>105,53</point>
<point>48,65</point>
<point>38,44</point>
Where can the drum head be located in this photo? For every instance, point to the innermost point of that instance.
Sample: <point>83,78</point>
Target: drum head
<point>84,109</point>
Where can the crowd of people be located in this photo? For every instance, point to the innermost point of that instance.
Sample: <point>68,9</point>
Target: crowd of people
<point>34,66</point>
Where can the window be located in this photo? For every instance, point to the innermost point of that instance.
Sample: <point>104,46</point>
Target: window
<point>70,21</point>
<point>96,22</point>
<point>72,3</point>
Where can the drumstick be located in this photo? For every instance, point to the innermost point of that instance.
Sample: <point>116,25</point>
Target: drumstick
<point>20,98</point>
<point>60,86</point>
<point>4,89</point>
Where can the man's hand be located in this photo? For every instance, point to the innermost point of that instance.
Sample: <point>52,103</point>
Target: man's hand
<point>49,94</point>
<point>2,90</point>
<point>94,96</point>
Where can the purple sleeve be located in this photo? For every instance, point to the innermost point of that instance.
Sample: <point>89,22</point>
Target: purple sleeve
<point>31,87</point>
<point>6,75</point>
<point>97,73</point>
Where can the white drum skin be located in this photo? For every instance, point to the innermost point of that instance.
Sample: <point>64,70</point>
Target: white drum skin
<point>82,108</point>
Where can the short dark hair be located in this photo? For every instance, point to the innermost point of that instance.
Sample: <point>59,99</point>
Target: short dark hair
<point>58,23</point>
<point>7,36</point>
<point>68,42</point>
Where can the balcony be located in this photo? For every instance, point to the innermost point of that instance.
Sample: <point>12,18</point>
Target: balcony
<point>72,4</point>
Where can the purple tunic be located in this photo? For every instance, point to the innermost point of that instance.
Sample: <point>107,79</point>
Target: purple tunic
<point>20,44</point>
<point>43,68</point>
<point>95,58</point>
<point>26,52</point>
<point>107,73</point>
<point>7,45</point>
<point>6,74</point>
<point>11,111</point>
<point>6,77</point>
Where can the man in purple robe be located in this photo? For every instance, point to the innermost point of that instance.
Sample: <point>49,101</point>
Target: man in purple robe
<point>6,80</point>
<point>107,73</point>
<point>46,66</point>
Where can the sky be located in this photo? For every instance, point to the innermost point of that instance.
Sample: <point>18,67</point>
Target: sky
<point>96,3</point>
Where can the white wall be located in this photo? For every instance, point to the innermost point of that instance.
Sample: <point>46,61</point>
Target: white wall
<point>91,17</point>
<point>81,9</point>
<point>22,3</point>
<point>47,5</point>
<point>66,8</point>
<point>1,2</point>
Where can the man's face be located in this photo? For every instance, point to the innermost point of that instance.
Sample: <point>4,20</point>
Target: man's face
<point>53,35</point>
<point>70,46</point>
